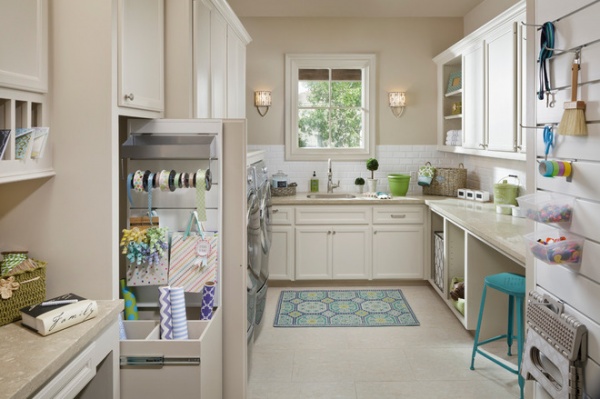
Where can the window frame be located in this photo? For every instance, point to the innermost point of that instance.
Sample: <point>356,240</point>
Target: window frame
<point>294,62</point>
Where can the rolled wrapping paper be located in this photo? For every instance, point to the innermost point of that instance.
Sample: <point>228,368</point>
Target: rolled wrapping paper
<point>165,310</point>
<point>122,332</point>
<point>131,311</point>
<point>180,330</point>
<point>208,300</point>
<point>201,195</point>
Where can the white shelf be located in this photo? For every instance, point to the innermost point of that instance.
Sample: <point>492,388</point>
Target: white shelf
<point>454,93</point>
<point>447,117</point>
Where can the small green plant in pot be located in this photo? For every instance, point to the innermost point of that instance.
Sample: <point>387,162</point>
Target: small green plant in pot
<point>372,165</point>
<point>360,183</point>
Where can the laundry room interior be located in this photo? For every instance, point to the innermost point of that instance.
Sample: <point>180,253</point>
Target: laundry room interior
<point>266,199</point>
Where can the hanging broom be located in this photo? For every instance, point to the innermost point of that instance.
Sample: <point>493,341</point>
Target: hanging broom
<point>573,119</point>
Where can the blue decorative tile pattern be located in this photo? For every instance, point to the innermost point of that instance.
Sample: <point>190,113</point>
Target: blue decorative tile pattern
<point>343,308</point>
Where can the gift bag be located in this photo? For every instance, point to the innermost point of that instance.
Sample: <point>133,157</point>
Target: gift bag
<point>193,257</point>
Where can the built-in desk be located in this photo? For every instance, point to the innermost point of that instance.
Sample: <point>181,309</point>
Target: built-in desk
<point>477,242</point>
<point>81,357</point>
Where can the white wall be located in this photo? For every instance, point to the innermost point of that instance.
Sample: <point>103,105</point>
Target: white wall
<point>484,12</point>
<point>404,47</point>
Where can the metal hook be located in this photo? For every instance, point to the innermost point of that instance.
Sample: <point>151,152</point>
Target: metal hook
<point>558,51</point>
<point>534,25</point>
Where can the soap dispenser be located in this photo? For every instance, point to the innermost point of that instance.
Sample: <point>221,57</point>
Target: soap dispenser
<point>314,183</point>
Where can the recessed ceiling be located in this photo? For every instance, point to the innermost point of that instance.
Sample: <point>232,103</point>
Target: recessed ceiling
<point>352,8</point>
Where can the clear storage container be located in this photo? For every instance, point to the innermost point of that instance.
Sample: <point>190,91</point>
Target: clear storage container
<point>555,246</point>
<point>547,207</point>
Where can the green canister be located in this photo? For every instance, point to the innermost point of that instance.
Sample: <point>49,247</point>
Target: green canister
<point>506,193</point>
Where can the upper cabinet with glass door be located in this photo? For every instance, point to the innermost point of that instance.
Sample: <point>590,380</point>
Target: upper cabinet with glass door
<point>330,106</point>
<point>491,68</point>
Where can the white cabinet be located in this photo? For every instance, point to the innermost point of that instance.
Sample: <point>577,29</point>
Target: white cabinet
<point>281,256</point>
<point>24,47</point>
<point>219,45</point>
<point>501,61</point>
<point>332,242</point>
<point>398,242</point>
<point>492,94</point>
<point>474,109</point>
<point>141,55</point>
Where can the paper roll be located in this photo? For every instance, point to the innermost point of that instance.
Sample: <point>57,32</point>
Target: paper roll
<point>208,300</point>
<point>180,330</point>
<point>166,318</point>
<point>122,332</point>
<point>131,311</point>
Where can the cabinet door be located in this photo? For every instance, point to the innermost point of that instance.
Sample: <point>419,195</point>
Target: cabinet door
<point>281,256</point>
<point>350,252</point>
<point>141,49</point>
<point>24,47</point>
<point>502,89</point>
<point>398,251</point>
<point>313,254</point>
<point>201,40</point>
<point>218,65</point>
<point>236,76</point>
<point>473,98</point>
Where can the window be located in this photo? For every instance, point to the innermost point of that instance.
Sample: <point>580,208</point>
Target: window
<point>330,106</point>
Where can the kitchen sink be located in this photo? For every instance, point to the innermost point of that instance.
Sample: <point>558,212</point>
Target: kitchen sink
<point>330,196</point>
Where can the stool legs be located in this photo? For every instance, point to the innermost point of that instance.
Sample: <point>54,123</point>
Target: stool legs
<point>509,332</point>
<point>475,344</point>
<point>520,335</point>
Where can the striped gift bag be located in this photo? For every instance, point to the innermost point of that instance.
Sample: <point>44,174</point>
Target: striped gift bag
<point>193,257</point>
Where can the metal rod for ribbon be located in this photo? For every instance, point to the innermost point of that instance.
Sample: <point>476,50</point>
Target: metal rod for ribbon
<point>551,125</point>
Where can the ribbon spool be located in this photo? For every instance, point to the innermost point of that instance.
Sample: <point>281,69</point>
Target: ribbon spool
<point>555,168</point>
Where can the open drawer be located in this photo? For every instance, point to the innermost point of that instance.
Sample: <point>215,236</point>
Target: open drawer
<point>152,368</point>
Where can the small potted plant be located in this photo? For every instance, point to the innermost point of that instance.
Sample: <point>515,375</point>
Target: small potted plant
<point>372,165</point>
<point>360,183</point>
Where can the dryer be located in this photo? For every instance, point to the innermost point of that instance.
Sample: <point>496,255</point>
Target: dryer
<point>263,190</point>
<point>254,254</point>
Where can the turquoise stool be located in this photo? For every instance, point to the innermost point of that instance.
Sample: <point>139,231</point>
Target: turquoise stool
<point>512,285</point>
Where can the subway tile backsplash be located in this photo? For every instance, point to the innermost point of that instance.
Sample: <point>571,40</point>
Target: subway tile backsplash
<point>482,172</point>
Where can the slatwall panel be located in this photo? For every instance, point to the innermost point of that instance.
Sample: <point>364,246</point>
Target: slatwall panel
<point>578,287</point>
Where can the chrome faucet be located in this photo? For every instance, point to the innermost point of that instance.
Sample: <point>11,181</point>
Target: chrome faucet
<point>330,184</point>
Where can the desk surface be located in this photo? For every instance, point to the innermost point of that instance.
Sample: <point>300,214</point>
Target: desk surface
<point>503,232</point>
<point>29,360</point>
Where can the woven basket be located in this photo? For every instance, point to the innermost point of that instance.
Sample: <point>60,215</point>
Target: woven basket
<point>283,191</point>
<point>32,290</point>
<point>446,181</point>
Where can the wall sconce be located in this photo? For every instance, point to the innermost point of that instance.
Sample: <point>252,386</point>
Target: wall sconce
<point>397,103</point>
<point>262,99</point>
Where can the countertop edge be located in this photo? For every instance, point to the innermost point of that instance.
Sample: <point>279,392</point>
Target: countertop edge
<point>73,339</point>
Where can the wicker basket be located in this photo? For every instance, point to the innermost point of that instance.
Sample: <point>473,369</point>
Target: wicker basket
<point>283,191</point>
<point>446,181</point>
<point>32,290</point>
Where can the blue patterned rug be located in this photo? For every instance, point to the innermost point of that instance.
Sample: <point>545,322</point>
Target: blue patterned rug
<point>347,308</point>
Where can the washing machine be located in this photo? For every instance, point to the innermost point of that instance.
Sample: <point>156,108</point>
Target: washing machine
<point>263,191</point>
<point>254,255</point>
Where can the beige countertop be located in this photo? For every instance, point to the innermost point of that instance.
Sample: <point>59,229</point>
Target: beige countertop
<point>361,199</point>
<point>29,360</point>
<point>503,232</point>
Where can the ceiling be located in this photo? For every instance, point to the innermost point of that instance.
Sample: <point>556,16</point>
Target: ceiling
<point>352,8</point>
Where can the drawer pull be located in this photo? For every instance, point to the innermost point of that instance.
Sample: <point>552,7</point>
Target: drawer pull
<point>275,210</point>
<point>398,216</point>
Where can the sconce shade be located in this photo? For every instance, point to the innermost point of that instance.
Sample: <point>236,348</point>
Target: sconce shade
<point>397,102</point>
<point>262,99</point>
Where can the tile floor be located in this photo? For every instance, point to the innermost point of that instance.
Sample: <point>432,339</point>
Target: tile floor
<point>430,361</point>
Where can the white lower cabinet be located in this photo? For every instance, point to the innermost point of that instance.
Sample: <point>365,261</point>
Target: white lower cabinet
<point>398,251</point>
<point>347,242</point>
<point>338,252</point>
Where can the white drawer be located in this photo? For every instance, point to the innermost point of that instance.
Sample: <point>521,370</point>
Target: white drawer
<point>282,215</point>
<point>406,214</point>
<point>342,214</point>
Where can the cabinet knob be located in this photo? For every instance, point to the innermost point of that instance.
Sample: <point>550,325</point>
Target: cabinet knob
<point>129,97</point>
<point>398,216</point>
<point>333,232</point>
<point>483,145</point>
<point>329,232</point>
<point>275,210</point>
<point>375,232</point>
